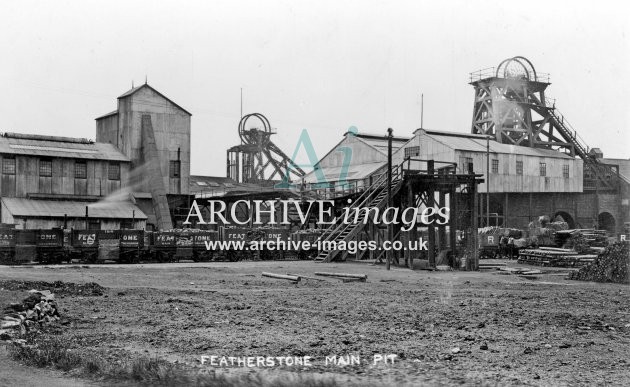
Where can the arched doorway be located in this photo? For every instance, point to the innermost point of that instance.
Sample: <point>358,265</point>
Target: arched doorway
<point>606,221</point>
<point>564,217</point>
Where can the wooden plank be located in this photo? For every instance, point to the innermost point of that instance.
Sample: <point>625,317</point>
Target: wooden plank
<point>281,276</point>
<point>362,277</point>
<point>307,277</point>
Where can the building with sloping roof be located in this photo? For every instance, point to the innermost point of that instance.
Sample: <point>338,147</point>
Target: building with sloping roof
<point>47,181</point>
<point>353,160</point>
<point>154,133</point>
<point>522,183</point>
<point>511,168</point>
<point>40,214</point>
<point>216,186</point>
<point>139,165</point>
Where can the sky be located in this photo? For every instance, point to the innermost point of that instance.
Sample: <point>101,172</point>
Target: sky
<point>323,66</point>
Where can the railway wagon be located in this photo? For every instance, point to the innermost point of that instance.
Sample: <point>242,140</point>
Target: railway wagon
<point>273,251</point>
<point>49,245</point>
<point>489,245</point>
<point>237,235</point>
<point>306,236</point>
<point>131,245</point>
<point>25,246</point>
<point>200,253</point>
<point>83,245</point>
<point>163,246</point>
<point>7,246</point>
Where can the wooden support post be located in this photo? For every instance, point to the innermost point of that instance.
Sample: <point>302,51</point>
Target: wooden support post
<point>506,213</point>
<point>390,227</point>
<point>474,262</point>
<point>529,214</point>
<point>412,234</point>
<point>374,236</point>
<point>442,227</point>
<point>452,224</point>
<point>430,190</point>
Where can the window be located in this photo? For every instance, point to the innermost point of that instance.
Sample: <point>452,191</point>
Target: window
<point>412,151</point>
<point>113,171</point>
<point>8,166</point>
<point>519,167</point>
<point>174,167</point>
<point>45,168</point>
<point>465,164</point>
<point>565,171</point>
<point>80,170</point>
<point>543,169</point>
<point>495,166</point>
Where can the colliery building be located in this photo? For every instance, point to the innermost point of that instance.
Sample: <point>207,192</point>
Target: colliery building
<point>532,161</point>
<point>522,158</point>
<point>135,175</point>
<point>54,181</point>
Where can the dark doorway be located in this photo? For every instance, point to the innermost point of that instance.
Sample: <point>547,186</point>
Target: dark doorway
<point>606,221</point>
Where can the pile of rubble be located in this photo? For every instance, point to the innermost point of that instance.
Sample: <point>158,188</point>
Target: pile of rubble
<point>37,309</point>
<point>610,266</point>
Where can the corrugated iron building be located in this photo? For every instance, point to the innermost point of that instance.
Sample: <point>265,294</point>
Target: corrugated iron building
<point>136,173</point>
<point>48,181</point>
<point>524,182</point>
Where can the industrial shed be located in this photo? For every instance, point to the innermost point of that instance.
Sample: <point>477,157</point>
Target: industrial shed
<point>36,214</point>
<point>512,168</point>
<point>352,161</point>
<point>47,181</point>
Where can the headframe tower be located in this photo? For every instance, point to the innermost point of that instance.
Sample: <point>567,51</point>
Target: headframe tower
<point>510,106</point>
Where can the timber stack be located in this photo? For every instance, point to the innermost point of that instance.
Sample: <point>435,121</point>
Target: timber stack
<point>610,266</point>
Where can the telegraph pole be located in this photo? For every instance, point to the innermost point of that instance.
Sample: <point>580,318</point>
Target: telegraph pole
<point>390,226</point>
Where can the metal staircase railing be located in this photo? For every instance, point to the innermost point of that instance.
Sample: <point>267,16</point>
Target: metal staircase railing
<point>601,172</point>
<point>373,197</point>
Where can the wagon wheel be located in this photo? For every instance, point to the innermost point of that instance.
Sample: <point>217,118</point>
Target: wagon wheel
<point>91,257</point>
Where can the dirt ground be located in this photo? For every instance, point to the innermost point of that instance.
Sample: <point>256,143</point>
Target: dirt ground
<point>444,327</point>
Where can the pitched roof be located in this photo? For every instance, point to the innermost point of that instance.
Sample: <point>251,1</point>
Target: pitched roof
<point>51,146</point>
<point>115,112</point>
<point>137,88</point>
<point>379,142</point>
<point>477,143</point>
<point>203,186</point>
<point>73,209</point>
<point>351,172</point>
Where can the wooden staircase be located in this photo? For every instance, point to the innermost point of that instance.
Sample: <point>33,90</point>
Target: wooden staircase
<point>373,197</point>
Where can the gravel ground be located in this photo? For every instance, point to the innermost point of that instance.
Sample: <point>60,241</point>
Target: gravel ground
<point>443,327</point>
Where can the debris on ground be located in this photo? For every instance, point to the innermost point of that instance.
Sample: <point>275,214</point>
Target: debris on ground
<point>345,277</point>
<point>306,277</point>
<point>519,271</point>
<point>553,256</point>
<point>37,309</point>
<point>58,287</point>
<point>609,266</point>
<point>291,278</point>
